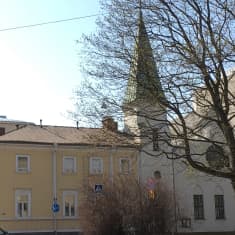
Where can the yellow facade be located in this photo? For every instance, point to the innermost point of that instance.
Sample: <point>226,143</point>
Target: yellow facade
<point>33,174</point>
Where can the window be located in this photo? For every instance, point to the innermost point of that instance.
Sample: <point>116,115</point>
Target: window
<point>23,203</point>
<point>185,222</point>
<point>69,165</point>
<point>2,131</point>
<point>198,206</point>
<point>216,157</point>
<point>124,166</point>
<point>69,203</point>
<point>157,175</point>
<point>22,163</point>
<point>96,165</point>
<point>155,140</point>
<point>219,207</point>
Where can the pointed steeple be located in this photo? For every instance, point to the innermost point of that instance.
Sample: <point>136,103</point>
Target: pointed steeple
<point>144,83</point>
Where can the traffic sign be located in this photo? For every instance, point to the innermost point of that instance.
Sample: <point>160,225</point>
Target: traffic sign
<point>98,188</point>
<point>55,207</point>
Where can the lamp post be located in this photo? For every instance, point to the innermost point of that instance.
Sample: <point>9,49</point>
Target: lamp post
<point>174,196</point>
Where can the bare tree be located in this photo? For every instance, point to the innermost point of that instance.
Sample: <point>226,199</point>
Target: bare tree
<point>126,207</point>
<point>193,44</point>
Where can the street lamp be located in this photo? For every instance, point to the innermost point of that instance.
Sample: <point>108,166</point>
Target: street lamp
<point>173,184</point>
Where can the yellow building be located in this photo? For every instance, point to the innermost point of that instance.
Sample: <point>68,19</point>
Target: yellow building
<point>45,166</point>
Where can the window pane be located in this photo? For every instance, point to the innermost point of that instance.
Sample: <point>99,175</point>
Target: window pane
<point>69,165</point>
<point>19,210</point>
<point>69,203</point>
<point>22,198</point>
<point>66,209</point>
<point>22,203</point>
<point>69,199</point>
<point>198,206</point>
<point>22,163</point>
<point>219,207</point>
<point>72,210</point>
<point>125,166</point>
<point>24,209</point>
<point>96,165</point>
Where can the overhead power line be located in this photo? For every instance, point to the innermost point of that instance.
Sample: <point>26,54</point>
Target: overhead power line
<point>48,22</point>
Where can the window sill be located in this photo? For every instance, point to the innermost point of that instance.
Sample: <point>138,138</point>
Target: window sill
<point>23,172</point>
<point>125,173</point>
<point>220,219</point>
<point>69,173</point>
<point>70,217</point>
<point>96,174</point>
<point>23,218</point>
<point>199,220</point>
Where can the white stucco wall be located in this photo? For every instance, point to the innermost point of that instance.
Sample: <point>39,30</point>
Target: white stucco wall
<point>187,183</point>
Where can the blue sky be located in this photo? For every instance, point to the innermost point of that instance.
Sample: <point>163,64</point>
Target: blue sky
<point>39,66</point>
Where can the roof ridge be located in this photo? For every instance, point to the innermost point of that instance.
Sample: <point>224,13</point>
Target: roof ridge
<point>72,127</point>
<point>56,134</point>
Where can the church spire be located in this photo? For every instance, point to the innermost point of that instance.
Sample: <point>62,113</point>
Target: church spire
<point>144,83</point>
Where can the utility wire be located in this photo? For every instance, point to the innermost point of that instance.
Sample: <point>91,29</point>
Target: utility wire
<point>48,22</point>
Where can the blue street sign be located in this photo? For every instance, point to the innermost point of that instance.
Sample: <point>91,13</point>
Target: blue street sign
<point>98,188</point>
<point>55,207</point>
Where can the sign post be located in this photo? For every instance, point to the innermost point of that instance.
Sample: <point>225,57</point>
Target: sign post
<point>55,208</point>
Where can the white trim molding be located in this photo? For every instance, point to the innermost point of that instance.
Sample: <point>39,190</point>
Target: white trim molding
<point>20,169</point>
<point>96,169</point>
<point>22,203</point>
<point>71,170</point>
<point>73,207</point>
<point>121,170</point>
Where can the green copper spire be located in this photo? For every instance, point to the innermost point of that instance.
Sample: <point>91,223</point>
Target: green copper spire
<point>144,83</point>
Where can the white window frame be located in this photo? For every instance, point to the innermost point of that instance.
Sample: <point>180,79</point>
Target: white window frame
<point>23,170</point>
<point>23,192</point>
<point>74,170</point>
<point>95,172</point>
<point>120,165</point>
<point>75,195</point>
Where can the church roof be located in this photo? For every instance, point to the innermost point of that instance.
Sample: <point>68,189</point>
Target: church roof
<point>144,82</point>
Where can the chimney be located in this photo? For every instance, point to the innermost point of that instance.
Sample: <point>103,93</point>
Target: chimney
<point>109,124</point>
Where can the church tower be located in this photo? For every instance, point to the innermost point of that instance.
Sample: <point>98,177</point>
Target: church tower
<point>144,117</point>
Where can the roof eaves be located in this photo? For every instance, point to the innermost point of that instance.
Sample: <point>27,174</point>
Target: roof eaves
<point>99,145</point>
<point>67,144</point>
<point>24,142</point>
